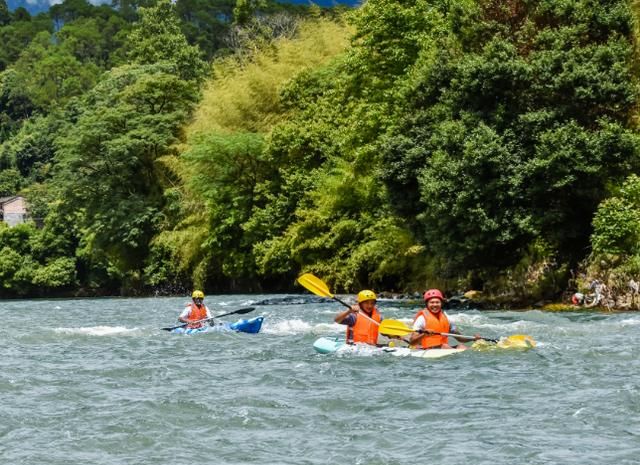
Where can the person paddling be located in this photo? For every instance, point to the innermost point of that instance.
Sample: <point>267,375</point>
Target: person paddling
<point>432,320</point>
<point>362,319</point>
<point>195,311</point>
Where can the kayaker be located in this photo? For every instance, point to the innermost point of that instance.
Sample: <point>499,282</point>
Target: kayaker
<point>431,320</point>
<point>362,319</point>
<point>195,311</point>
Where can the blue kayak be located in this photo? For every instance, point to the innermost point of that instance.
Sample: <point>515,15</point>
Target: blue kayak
<point>252,326</point>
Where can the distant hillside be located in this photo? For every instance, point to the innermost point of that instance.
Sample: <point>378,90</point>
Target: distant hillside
<point>37,6</point>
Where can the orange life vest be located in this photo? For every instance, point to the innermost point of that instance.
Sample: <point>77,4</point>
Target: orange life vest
<point>197,313</point>
<point>364,330</point>
<point>438,323</point>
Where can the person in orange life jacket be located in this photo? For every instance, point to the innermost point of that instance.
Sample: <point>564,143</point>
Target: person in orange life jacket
<point>432,320</point>
<point>195,311</point>
<point>362,320</point>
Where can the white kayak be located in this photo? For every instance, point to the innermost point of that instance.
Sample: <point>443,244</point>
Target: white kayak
<point>431,353</point>
<point>331,345</point>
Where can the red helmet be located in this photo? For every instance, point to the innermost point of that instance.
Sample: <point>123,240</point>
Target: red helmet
<point>433,293</point>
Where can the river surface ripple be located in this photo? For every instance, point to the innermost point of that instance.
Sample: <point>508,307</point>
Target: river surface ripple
<point>94,381</point>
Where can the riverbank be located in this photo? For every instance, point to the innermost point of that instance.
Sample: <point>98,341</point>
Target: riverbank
<point>608,300</point>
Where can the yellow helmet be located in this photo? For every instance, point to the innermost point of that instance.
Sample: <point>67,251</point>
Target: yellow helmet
<point>197,295</point>
<point>366,295</point>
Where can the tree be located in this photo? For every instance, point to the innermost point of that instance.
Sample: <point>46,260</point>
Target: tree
<point>84,39</point>
<point>128,9</point>
<point>5,16</point>
<point>71,10</point>
<point>15,104</point>
<point>245,10</point>
<point>237,193</point>
<point>10,182</point>
<point>513,131</point>
<point>107,159</point>
<point>16,37</point>
<point>32,149</point>
<point>206,22</point>
<point>616,224</point>
<point>51,75</point>
<point>21,14</point>
<point>157,38</point>
<point>227,172</point>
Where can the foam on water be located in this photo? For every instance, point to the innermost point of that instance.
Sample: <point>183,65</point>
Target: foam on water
<point>630,322</point>
<point>360,350</point>
<point>97,330</point>
<point>235,303</point>
<point>287,327</point>
<point>328,328</point>
<point>485,321</point>
<point>299,326</point>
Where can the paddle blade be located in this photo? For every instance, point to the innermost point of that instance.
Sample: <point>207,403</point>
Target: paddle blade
<point>315,285</point>
<point>394,328</point>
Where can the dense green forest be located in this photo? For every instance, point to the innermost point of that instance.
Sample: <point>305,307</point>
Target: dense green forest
<point>231,145</point>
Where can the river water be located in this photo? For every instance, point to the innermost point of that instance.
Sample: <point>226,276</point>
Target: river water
<point>94,381</point>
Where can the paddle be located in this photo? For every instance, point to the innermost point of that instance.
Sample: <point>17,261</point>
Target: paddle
<point>398,328</point>
<point>318,287</point>
<point>240,311</point>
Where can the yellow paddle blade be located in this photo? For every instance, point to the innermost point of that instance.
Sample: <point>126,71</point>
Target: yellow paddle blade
<point>315,285</point>
<point>394,328</point>
<point>517,341</point>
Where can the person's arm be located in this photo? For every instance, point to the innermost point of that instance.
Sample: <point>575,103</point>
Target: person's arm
<point>419,331</point>
<point>184,316</point>
<point>340,317</point>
